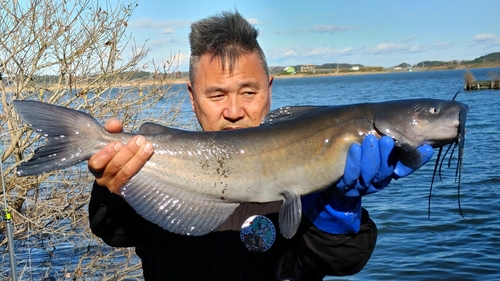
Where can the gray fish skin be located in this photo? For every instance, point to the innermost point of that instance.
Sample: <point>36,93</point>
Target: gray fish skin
<point>195,180</point>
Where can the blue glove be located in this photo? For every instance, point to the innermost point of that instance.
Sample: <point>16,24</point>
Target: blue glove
<point>369,168</point>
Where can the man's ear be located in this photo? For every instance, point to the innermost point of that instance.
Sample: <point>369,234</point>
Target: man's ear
<point>271,79</point>
<point>191,95</point>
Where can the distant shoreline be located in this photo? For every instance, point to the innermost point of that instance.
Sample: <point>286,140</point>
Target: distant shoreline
<point>176,81</point>
<point>351,73</point>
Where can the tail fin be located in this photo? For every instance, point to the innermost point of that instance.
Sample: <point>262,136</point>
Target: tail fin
<point>71,136</point>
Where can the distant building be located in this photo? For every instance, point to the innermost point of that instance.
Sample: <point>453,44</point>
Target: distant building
<point>308,68</point>
<point>355,68</point>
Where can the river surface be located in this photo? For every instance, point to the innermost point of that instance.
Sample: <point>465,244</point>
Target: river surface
<point>410,246</point>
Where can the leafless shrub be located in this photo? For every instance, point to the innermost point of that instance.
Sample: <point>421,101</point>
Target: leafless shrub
<point>495,79</point>
<point>469,79</point>
<point>75,54</point>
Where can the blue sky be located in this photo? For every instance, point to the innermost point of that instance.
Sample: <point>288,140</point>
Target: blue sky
<point>371,33</point>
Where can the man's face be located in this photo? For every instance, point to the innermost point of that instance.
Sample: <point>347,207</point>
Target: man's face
<point>224,101</point>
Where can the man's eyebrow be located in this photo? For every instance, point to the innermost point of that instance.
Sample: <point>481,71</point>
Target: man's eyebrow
<point>216,88</point>
<point>250,84</point>
<point>222,88</point>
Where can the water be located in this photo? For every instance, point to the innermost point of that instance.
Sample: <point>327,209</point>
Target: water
<point>409,247</point>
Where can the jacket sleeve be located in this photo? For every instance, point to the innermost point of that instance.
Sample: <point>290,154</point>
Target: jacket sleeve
<point>320,253</point>
<point>117,224</point>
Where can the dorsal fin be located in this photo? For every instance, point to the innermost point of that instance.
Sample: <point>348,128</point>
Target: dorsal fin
<point>287,113</point>
<point>149,128</point>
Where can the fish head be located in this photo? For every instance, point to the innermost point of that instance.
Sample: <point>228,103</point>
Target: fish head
<point>422,121</point>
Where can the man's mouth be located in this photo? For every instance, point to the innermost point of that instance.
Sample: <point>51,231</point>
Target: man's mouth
<point>231,128</point>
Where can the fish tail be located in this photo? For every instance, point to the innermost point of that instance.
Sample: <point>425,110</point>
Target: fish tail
<point>69,132</point>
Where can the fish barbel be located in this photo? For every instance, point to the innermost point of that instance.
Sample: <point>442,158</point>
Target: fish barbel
<point>195,180</point>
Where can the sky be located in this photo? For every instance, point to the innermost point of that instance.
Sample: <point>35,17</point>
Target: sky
<point>370,33</point>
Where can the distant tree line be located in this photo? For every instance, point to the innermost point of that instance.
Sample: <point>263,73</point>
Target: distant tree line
<point>492,59</point>
<point>486,60</point>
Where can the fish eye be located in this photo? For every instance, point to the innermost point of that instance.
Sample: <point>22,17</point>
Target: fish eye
<point>434,110</point>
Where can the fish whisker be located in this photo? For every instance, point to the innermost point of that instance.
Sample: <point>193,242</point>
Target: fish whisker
<point>458,171</point>
<point>441,163</point>
<point>453,146</point>
<point>432,180</point>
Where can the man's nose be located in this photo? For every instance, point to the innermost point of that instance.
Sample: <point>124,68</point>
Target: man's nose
<point>233,110</point>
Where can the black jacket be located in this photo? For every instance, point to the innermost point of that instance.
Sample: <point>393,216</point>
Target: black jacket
<point>309,255</point>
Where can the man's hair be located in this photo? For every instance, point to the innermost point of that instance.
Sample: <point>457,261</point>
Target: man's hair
<point>226,36</point>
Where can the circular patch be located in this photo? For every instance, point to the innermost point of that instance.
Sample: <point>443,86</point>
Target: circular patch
<point>258,233</point>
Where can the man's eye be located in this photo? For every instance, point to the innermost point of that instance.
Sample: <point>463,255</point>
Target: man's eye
<point>216,97</point>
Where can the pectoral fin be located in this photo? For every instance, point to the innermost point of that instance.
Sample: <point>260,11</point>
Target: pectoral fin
<point>409,155</point>
<point>290,214</point>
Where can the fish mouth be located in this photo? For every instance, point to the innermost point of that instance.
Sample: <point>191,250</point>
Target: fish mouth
<point>448,134</point>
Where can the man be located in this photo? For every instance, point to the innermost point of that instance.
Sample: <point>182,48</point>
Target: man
<point>230,88</point>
